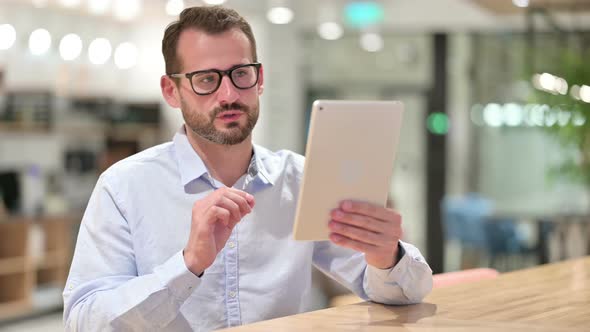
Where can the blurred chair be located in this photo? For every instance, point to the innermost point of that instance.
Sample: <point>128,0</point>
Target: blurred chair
<point>461,277</point>
<point>469,220</point>
<point>505,243</point>
<point>463,218</point>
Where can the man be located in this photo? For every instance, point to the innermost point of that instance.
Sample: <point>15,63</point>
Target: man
<point>196,233</point>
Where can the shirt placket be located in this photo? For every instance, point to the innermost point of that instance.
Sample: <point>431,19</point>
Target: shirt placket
<point>232,296</point>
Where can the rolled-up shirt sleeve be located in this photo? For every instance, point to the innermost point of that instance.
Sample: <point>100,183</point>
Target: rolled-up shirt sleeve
<point>103,291</point>
<point>409,281</point>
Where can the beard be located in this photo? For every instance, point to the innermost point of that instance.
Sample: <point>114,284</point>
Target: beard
<point>204,124</point>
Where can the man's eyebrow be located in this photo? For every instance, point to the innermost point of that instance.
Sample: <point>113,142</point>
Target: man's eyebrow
<point>230,67</point>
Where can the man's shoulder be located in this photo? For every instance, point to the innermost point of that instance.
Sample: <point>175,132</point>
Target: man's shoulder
<point>281,159</point>
<point>150,158</point>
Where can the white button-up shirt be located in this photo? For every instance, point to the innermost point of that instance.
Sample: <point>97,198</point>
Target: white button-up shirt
<point>128,272</point>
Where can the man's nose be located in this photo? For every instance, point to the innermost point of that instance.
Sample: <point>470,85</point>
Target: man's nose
<point>227,92</point>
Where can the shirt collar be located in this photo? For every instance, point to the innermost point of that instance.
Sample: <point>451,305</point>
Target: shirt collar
<point>192,167</point>
<point>263,165</point>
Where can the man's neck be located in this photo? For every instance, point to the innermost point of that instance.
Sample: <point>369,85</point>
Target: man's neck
<point>226,163</point>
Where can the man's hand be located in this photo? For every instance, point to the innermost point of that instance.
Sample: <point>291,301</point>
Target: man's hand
<point>368,228</point>
<point>213,219</point>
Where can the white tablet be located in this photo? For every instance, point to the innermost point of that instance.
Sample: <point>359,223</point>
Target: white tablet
<point>350,154</point>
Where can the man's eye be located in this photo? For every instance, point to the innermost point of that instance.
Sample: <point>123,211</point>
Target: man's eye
<point>207,79</point>
<point>241,73</point>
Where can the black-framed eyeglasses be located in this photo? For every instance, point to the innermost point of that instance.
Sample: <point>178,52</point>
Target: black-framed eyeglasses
<point>206,82</point>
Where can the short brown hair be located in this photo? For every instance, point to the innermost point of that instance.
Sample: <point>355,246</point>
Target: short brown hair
<point>211,20</point>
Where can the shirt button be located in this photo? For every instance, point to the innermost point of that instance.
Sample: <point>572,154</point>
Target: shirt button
<point>232,294</point>
<point>231,244</point>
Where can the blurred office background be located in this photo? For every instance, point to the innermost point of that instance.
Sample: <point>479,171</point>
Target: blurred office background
<point>493,164</point>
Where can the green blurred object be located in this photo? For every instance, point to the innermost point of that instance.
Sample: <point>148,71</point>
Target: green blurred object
<point>362,14</point>
<point>438,123</point>
<point>571,65</point>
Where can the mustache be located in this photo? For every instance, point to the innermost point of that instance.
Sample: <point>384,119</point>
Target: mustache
<point>230,107</point>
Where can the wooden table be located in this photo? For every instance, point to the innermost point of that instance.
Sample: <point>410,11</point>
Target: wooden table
<point>554,297</point>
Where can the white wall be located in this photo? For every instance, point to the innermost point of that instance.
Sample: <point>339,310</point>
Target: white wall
<point>282,112</point>
<point>284,106</point>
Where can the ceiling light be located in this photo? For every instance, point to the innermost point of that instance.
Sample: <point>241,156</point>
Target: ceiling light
<point>575,92</point>
<point>492,115</point>
<point>126,10</point>
<point>7,36</point>
<point>547,81</point>
<point>126,55</point>
<point>537,115</point>
<point>98,7</point>
<point>280,15</point>
<point>39,41</point>
<point>578,119</point>
<point>70,47</point>
<point>563,118</point>
<point>521,3</point>
<point>550,118</point>
<point>371,42</point>
<point>585,93</point>
<point>513,114</point>
<point>330,30</point>
<point>99,51</point>
<point>550,83</point>
<point>40,3</point>
<point>560,86</point>
<point>70,3</point>
<point>363,13</point>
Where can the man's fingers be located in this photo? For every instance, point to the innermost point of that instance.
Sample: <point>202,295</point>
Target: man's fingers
<point>346,242</point>
<point>385,255</point>
<point>249,198</point>
<point>358,234</point>
<point>231,206</point>
<point>236,203</point>
<point>218,214</point>
<point>241,201</point>
<point>359,221</point>
<point>369,209</point>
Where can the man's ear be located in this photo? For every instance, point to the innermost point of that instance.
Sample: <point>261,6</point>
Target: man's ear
<point>170,91</point>
<point>261,80</point>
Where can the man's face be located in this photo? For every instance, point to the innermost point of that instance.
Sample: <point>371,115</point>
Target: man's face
<point>228,115</point>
